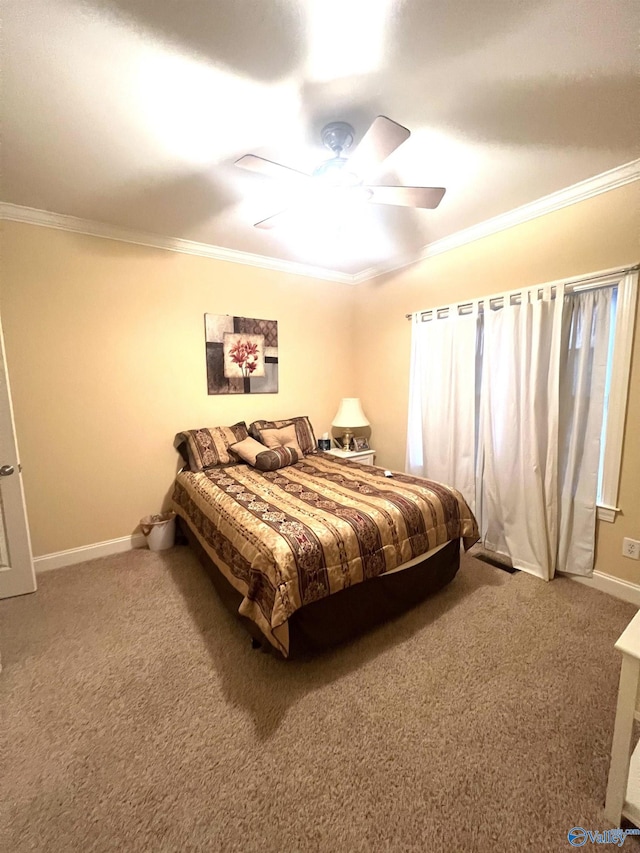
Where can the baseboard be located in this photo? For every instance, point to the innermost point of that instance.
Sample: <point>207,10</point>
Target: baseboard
<point>616,587</point>
<point>88,552</point>
<point>612,586</point>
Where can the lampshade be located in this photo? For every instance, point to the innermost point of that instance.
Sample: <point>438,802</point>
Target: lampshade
<point>350,414</point>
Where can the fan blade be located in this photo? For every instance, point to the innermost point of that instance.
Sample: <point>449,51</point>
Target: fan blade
<point>267,167</point>
<point>271,221</point>
<point>381,140</point>
<point>428,197</point>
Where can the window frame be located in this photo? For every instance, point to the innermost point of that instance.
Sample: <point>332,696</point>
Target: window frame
<point>627,283</point>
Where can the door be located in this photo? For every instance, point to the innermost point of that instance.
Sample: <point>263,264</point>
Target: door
<point>17,575</point>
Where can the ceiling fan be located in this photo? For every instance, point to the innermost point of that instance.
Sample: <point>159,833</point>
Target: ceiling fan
<point>343,178</point>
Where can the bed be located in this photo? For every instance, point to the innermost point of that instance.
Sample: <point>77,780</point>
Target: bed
<point>314,553</point>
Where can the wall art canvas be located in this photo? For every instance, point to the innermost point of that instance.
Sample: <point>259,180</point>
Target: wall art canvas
<point>242,355</point>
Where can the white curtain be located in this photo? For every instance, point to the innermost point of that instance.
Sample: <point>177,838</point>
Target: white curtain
<point>442,409</point>
<point>519,418</point>
<point>585,350</point>
<point>507,405</point>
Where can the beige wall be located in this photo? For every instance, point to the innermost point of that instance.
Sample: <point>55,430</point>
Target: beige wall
<point>105,349</point>
<point>600,233</point>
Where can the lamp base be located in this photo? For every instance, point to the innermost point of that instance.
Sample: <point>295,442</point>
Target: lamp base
<point>347,437</point>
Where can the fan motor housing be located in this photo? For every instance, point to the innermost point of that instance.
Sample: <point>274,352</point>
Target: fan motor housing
<point>337,136</point>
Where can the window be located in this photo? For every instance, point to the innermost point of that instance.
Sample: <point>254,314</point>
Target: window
<point>617,387</point>
<point>623,312</point>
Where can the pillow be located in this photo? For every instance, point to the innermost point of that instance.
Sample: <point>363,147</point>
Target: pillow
<point>253,453</point>
<point>248,449</point>
<point>306,440</point>
<point>283,437</point>
<point>209,447</point>
<point>277,457</point>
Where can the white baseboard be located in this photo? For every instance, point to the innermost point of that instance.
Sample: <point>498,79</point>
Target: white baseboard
<point>612,586</point>
<point>88,552</point>
<point>616,587</point>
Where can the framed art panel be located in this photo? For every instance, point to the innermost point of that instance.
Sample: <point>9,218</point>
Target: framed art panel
<point>242,355</point>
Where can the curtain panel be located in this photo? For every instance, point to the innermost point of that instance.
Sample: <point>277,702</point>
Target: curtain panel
<point>518,449</point>
<point>507,405</point>
<point>443,410</point>
<point>586,336</point>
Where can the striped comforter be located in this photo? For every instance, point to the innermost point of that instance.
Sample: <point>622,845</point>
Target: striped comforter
<point>289,537</point>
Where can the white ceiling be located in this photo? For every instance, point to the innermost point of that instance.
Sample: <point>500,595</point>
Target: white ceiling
<point>132,112</point>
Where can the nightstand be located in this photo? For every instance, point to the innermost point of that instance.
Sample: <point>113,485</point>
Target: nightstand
<point>365,457</point>
<point>623,788</point>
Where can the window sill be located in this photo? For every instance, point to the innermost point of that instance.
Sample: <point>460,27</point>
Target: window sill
<point>607,513</point>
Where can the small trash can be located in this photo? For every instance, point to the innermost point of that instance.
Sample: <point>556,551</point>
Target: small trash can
<point>159,530</point>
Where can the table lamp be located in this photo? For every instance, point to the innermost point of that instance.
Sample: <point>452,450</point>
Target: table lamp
<point>349,416</point>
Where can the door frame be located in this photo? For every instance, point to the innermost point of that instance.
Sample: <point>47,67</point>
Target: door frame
<point>18,577</point>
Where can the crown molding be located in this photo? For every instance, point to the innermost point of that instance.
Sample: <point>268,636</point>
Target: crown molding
<point>386,267</point>
<point>62,222</point>
<point>581,191</point>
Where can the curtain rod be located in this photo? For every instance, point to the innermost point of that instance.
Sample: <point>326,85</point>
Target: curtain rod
<point>566,281</point>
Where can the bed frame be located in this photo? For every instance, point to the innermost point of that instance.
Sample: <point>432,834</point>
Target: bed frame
<point>346,614</point>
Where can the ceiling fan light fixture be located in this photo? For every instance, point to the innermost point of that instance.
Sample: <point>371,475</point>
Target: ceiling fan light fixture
<point>337,136</point>
<point>340,184</point>
<point>336,173</point>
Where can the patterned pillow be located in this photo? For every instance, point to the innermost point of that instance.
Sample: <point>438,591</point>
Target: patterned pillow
<point>276,457</point>
<point>304,431</point>
<point>209,447</point>
<point>253,453</point>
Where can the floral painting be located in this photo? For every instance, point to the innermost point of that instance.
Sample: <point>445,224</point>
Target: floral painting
<point>242,355</point>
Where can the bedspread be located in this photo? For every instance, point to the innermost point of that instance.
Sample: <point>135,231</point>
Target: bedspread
<point>289,537</point>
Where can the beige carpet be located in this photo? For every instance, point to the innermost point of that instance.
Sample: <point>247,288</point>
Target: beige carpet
<point>135,716</point>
